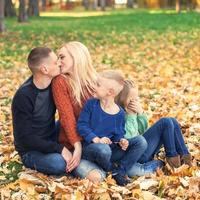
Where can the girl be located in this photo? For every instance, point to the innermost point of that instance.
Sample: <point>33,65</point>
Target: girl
<point>165,132</point>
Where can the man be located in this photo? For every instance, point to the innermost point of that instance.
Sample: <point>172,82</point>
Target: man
<point>33,111</point>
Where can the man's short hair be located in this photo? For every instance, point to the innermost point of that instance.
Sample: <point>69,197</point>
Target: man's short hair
<point>36,56</point>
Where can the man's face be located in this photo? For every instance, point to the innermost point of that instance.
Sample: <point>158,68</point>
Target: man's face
<point>52,64</point>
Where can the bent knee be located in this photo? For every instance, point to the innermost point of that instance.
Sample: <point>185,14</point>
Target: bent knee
<point>95,176</point>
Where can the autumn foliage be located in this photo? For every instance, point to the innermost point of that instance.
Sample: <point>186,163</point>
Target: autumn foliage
<point>167,68</point>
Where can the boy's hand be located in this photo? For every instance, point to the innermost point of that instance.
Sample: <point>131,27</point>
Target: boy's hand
<point>105,140</point>
<point>96,140</point>
<point>123,143</point>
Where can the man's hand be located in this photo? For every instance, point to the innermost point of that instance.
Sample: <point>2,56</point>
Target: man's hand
<point>67,155</point>
<point>105,140</point>
<point>124,144</point>
<point>76,157</point>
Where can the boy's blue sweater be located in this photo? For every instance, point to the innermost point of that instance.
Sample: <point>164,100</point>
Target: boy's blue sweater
<point>94,122</point>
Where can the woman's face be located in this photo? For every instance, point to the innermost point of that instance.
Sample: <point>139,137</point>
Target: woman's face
<point>66,59</point>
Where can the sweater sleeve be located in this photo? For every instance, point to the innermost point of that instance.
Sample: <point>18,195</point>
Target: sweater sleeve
<point>65,109</point>
<point>22,111</point>
<point>120,128</point>
<point>83,124</point>
<point>142,123</point>
<point>131,126</point>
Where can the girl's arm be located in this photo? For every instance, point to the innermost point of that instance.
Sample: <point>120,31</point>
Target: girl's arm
<point>142,122</point>
<point>131,126</point>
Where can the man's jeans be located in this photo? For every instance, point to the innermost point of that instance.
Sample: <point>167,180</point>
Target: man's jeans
<point>164,132</point>
<point>104,155</point>
<point>54,163</point>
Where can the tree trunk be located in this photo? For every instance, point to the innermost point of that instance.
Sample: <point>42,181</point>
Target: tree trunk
<point>86,4</point>
<point>33,8</point>
<point>23,17</point>
<point>95,4</point>
<point>44,5</point>
<point>2,26</point>
<point>103,5</point>
<point>9,9</point>
<point>129,3</point>
<point>178,6</point>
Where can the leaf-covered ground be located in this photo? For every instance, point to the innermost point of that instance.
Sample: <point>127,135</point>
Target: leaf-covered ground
<point>160,50</point>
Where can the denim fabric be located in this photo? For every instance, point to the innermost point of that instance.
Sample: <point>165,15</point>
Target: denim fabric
<point>54,164</point>
<point>164,132</point>
<point>104,155</point>
<point>144,169</point>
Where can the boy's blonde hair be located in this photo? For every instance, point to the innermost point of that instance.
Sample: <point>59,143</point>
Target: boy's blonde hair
<point>121,98</point>
<point>84,75</point>
<point>115,75</point>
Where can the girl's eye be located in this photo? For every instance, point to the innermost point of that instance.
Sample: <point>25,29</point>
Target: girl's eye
<point>61,57</point>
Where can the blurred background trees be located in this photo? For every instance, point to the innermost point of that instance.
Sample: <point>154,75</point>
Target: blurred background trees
<point>25,8</point>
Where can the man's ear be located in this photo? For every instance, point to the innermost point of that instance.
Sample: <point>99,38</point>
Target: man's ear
<point>44,69</point>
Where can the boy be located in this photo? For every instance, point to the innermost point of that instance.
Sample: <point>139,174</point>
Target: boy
<point>102,126</point>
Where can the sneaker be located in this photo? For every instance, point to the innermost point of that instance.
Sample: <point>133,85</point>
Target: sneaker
<point>118,173</point>
<point>174,162</point>
<point>186,159</point>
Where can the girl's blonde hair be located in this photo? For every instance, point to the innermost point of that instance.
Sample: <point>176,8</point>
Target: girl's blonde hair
<point>84,76</point>
<point>121,98</point>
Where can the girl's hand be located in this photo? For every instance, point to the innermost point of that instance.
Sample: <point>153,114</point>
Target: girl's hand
<point>134,107</point>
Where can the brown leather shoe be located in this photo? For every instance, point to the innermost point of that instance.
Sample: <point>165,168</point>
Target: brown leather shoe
<point>174,162</point>
<point>186,159</point>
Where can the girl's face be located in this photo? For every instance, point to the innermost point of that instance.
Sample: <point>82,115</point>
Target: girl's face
<point>132,96</point>
<point>66,59</point>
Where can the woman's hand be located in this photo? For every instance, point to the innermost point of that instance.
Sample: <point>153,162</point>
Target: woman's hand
<point>76,157</point>
<point>67,155</point>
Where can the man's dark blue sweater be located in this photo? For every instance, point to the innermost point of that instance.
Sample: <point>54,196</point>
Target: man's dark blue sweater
<point>33,112</point>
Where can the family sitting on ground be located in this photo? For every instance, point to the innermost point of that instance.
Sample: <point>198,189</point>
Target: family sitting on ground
<point>102,128</point>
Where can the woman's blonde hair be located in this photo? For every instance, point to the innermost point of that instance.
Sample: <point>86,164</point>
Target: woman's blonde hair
<point>121,98</point>
<point>84,76</point>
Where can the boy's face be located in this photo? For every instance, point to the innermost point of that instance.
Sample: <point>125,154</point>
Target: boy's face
<point>105,88</point>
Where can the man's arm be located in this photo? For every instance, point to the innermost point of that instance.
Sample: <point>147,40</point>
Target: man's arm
<point>22,110</point>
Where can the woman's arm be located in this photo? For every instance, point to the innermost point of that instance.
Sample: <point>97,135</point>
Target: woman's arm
<point>65,109</point>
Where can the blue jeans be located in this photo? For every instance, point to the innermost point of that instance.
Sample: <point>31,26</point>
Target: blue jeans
<point>54,163</point>
<point>164,132</point>
<point>104,155</point>
<point>147,168</point>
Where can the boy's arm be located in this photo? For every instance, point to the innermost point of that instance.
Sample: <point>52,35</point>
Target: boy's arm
<point>120,129</point>
<point>142,122</point>
<point>83,124</point>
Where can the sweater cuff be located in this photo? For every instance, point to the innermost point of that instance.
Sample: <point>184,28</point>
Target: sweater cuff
<point>90,137</point>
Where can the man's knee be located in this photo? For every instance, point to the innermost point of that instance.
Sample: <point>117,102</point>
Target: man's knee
<point>57,165</point>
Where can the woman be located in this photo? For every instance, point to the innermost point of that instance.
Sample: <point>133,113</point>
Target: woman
<point>70,91</point>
